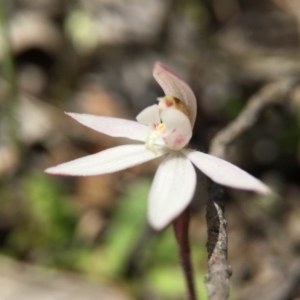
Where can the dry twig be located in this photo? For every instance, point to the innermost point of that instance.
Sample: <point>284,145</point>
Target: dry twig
<point>219,271</point>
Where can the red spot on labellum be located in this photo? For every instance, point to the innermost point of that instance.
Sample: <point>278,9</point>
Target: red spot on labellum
<point>169,103</point>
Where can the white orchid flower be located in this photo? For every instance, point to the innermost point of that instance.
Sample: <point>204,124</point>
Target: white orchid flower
<point>165,130</point>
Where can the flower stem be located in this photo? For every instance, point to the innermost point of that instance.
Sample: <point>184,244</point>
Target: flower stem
<point>181,226</point>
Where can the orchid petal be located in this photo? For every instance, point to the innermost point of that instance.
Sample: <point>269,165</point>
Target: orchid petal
<point>171,191</point>
<point>113,126</point>
<point>172,85</point>
<point>225,173</point>
<point>107,161</point>
<point>149,116</point>
<point>178,127</point>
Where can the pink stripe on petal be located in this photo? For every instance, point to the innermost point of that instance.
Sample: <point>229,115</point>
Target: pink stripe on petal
<point>172,85</point>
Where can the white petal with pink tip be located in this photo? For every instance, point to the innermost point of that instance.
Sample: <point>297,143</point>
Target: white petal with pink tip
<point>225,173</point>
<point>107,161</point>
<point>172,85</point>
<point>171,191</point>
<point>113,126</point>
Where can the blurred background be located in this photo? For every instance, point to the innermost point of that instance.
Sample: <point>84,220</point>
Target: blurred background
<point>88,238</point>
